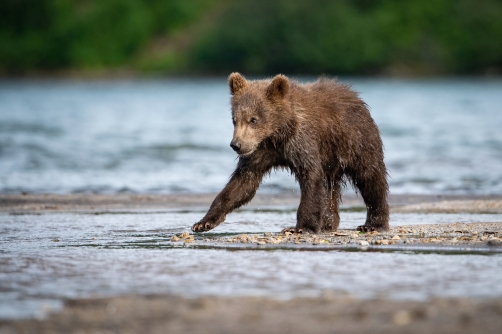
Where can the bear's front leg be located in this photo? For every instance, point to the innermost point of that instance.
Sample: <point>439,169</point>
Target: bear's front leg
<point>309,217</point>
<point>239,190</point>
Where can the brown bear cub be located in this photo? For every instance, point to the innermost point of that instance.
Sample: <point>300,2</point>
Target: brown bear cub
<point>322,132</point>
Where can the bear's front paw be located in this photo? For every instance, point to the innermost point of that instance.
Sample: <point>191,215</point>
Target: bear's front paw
<point>369,228</point>
<point>203,226</point>
<point>292,230</point>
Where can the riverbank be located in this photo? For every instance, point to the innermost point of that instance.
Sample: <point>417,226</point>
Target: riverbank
<point>478,234</point>
<point>408,203</point>
<point>329,313</point>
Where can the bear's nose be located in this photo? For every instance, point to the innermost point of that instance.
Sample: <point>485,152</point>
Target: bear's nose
<point>236,146</point>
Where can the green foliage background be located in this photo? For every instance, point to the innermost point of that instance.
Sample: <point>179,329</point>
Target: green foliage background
<point>252,36</point>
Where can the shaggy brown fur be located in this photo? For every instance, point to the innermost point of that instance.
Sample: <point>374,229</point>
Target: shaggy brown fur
<point>322,132</point>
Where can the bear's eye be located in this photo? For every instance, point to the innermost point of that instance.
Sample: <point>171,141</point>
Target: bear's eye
<point>233,121</point>
<point>253,120</point>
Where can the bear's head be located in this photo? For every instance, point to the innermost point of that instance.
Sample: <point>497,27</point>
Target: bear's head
<point>259,110</point>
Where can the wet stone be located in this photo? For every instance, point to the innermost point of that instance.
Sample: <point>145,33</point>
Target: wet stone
<point>462,234</point>
<point>243,237</point>
<point>495,243</point>
<point>401,318</point>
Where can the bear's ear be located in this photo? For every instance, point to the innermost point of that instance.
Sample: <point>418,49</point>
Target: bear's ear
<point>236,82</point>
<point>278,88</point>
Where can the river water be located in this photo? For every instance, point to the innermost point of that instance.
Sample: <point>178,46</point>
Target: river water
<point>49,257</point>
<point>171,136</point>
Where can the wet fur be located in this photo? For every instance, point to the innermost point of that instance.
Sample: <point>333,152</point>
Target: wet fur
<point>322,132</point>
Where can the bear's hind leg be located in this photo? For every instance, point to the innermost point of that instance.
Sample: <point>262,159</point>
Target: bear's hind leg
<point>374,189</point>
<point>331,219</point>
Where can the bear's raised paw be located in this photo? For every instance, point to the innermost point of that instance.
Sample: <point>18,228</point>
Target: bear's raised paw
<point>203,226</point>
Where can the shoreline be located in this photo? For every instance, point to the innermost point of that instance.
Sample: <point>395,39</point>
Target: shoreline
<point>476,236</point>
<point>330,312</point>
<point>400,203</point>
<point>465,237</point>
<point>479,236</point>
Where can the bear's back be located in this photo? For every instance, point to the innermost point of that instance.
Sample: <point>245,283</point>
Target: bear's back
<point>332,115</point>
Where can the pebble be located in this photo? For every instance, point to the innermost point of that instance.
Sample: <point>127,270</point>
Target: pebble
<point>482,234</point>
<point>401,318</point>
<point>495,243</point>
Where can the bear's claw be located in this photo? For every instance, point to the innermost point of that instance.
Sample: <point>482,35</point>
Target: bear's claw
<point>368,228</point>
<point>292,230</point>
<point>203,227</point>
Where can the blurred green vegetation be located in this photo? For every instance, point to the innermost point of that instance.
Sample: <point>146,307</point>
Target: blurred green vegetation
<point>86,34</point>
<point>253,36</point>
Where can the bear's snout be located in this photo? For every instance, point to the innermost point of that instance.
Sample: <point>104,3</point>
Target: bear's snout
<point>235,146</point>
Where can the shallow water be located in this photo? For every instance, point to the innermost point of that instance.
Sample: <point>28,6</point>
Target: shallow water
<point>45,258</point>
<point>169,136</point>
